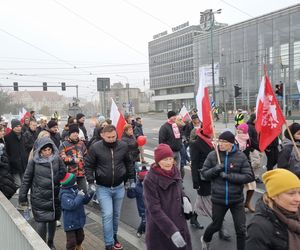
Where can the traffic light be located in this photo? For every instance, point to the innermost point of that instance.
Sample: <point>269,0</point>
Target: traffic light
<point>279,89</point>
<point>44,86</point>
<point>16,87</point>
<point>63,86</point>
<point>237,90</point>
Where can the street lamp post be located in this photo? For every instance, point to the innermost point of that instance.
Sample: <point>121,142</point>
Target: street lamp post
<point>207,22</point>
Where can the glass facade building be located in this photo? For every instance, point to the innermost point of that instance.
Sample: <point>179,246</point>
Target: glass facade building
<point>241,50</point>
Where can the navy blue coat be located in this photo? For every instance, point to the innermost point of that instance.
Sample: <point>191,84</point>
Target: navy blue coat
<point>72,206</point>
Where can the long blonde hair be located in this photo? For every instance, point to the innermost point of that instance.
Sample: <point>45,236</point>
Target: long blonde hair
<point>268,201</point>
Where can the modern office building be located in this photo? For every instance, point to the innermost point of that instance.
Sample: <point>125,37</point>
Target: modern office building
<point>240,52</point>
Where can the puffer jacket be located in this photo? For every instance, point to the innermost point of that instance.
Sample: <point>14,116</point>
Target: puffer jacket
<point>42,176</point>
<point>69,151</point>
<point>266,231</point>
<point>230,190</point>
<point>288,157</point>
<point>72,206</point>
<point>109,166</point>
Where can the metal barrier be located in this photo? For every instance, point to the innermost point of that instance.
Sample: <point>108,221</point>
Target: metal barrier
<point>15,232</point>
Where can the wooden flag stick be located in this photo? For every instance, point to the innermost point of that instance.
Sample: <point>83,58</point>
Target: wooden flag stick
<point>292,138</point>
<point>214,137</point>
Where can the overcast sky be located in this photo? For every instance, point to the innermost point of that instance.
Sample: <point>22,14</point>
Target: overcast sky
<point>77,41</point>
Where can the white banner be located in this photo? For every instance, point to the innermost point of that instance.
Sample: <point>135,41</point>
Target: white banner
<point>205,73</point>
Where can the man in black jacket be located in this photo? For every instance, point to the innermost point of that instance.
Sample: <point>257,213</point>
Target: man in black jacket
<point>30,136</point>
<point>169,134</point>
<point>227,181</point>
<point>52,128</point>
<point>16,151</point>
<point>108,163</point>
<point>80,118</point>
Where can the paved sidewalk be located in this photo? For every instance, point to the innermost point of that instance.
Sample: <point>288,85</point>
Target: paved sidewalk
<point>93,232</point>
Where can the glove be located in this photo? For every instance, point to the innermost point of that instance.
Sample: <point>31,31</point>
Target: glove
<point>223,175</point>
<point>81,193</point>
<point>178,240</point>
<point>92,188</point>
<point>187,208</point>
<point>23,206</point>
<point>219,168</point>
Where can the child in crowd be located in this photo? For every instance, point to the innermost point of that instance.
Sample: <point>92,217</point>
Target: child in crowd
<point>72,204</point>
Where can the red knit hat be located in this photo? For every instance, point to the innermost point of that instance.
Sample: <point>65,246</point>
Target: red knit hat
<point>161,152</point>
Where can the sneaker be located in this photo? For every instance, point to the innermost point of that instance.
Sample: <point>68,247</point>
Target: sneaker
<point>117,245</point>
<point>58,223</point>
<point>204,245</point>
<point>140,230</point>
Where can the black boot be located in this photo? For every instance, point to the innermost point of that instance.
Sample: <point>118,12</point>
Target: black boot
<point>51,245</point>
<point>224,235</point>
<point>141,229</point>
<point>194,222</point>
<point>109,247</point>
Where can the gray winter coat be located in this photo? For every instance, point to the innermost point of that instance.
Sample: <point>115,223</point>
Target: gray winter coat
<point>42,176</point>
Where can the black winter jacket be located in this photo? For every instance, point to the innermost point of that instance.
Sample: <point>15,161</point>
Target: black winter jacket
<point>266,231</point>
<point>199,150</point>
<point>166,136</point>
<point>109,166</point>
<point>230,190</point>
<point>29,139</point>
<point>7,185</point>
<point>42,176</point>
<point>16,152</point>
<point>132,147</point>
<point>253,136</point>
<point>138,130</point>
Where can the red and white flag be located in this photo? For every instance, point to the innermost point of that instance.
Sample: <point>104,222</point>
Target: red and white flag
<point>269,117</point>
<point>23,114</point>
<point>184,114</point>
<point>117,119</point>
<point>203,105</point>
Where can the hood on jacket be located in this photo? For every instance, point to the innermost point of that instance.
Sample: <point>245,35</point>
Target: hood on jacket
<point>41,142</point>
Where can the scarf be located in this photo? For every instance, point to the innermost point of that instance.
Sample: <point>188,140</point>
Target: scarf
<point>292,220</point>
<point>242,140</point>
<point>175,129</point>
<point>206,139</point>
<point>167,173</point>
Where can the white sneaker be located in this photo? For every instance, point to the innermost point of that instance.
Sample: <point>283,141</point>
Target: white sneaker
<point>58,223</point>
<point>204,245</point>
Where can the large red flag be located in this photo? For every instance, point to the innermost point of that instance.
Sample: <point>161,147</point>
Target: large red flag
<point>184,114</point>
<point>269,117</point>
<point>117,119</point>
<point>23,114</point>
<point>203,104</point>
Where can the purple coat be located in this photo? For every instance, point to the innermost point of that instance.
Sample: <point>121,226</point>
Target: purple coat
<point>164,212</point>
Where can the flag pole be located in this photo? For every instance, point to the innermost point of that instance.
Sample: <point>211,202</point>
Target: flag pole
<point>214,137</point>
<point>292,138</point>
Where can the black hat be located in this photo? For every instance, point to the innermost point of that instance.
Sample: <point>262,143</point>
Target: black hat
<point>48,145</point>
<point>194,117</point>
<point>227,136</point>
<point>79,116</point>
<point>294,128</point>
<point>15,123</point>
<point>171,113</point>
<point>51,124</point>
<point>73,128</point>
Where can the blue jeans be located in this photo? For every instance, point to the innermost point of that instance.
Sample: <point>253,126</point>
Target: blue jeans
<point>110,201</point>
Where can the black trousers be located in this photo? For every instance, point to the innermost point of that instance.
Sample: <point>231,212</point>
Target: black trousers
<point>272,157</point>
<point>239,219</point>
<point>74,238</point>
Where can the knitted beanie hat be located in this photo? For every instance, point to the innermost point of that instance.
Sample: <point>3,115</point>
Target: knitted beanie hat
<point>161,152</point>
<point>15,123</point>
<point>51,124</point>
<point>243,127</point>
<point>73,128</point>
<point>227,136</point>
<point>279,180</point>
<point>171,113</point>
<point>69,180</point>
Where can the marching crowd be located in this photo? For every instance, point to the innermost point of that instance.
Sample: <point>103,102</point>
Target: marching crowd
<point>64,171</point>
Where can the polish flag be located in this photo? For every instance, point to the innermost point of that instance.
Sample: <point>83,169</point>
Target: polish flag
<point>117,119</point>
<point>23,114</point>
<point>269,117</point>
<point>184,114</point>
<point>203,105</point>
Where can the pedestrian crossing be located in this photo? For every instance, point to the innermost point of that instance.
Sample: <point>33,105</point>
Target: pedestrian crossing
<point>149,157</point>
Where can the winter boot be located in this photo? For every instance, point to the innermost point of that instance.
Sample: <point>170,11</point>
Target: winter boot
<point>194,222</point>
<point>141,229</point>
<point>248,201</point>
